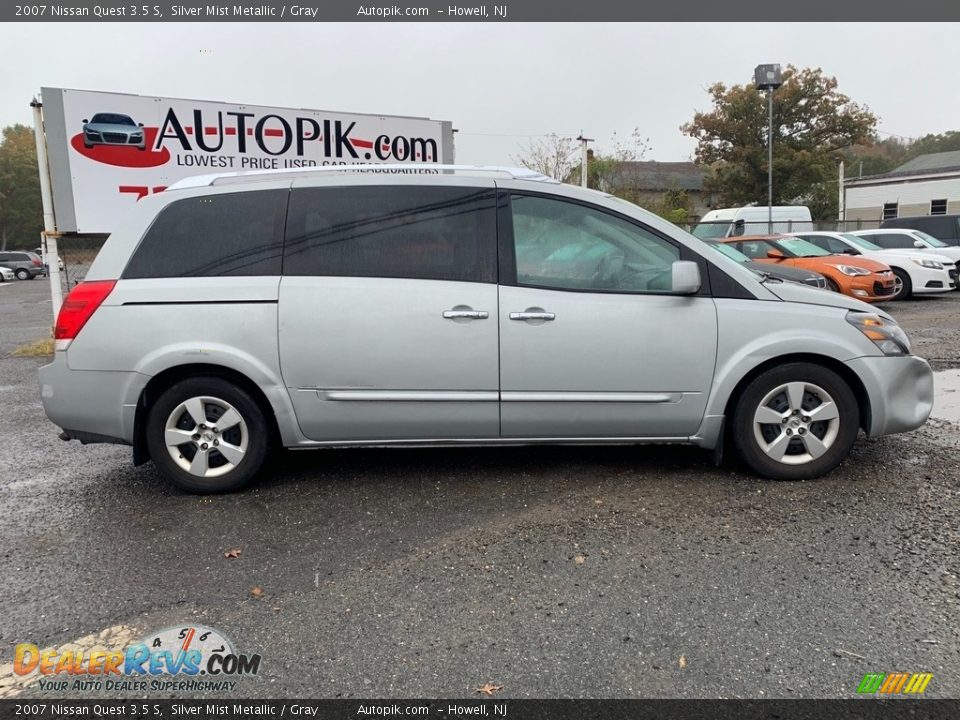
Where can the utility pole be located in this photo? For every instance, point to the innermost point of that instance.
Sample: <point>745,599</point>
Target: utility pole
<point>584,157</point>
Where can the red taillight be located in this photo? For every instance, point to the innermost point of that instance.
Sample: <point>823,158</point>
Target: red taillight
<point>36,261</point>
<point>79,306</point>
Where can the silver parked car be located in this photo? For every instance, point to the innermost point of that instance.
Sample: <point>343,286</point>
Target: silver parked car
<point>446,305</point>
<point>113,129</point>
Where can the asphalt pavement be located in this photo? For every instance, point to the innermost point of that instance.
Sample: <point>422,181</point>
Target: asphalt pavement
<point>554,572</point>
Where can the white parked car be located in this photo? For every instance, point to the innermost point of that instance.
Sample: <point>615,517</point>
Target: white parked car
<point>6,274</point>
<point>906,239</point>
<point>916,271</point>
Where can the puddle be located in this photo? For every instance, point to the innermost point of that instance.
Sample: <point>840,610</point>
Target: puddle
<point>946,395</point>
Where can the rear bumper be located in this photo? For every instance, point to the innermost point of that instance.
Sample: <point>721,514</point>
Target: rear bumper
<point>900,391</point>
<point>90,405</point>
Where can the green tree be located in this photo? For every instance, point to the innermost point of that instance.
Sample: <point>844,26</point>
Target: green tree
<point>813,123</point>
<point>21,214</point>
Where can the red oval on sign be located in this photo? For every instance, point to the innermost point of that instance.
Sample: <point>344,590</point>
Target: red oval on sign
<point>124,155</point>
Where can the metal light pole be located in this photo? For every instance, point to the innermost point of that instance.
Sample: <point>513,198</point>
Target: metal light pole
<point>769,78</point>
<point>584,158</point>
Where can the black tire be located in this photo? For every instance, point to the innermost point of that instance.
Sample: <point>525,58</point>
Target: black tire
<point>832,285</point>
<point>842,435</point>
<point>906,289</point>
<point>23,274</point>
<point>257,435</point>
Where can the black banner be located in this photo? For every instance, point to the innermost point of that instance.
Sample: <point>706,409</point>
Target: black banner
<point>490,709</point>
<point>858,11</point>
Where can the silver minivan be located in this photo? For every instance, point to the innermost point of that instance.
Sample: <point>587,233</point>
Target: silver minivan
<point>443,305</point>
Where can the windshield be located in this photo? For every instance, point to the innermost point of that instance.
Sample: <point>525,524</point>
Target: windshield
<point>112,119</point>
<point>798,247</point>
<point>730,251</point>
<point>707,230</point>
<point>929,239</point>
<point>860,242</point>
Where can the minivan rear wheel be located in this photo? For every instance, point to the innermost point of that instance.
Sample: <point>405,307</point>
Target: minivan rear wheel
<point>23,274</point>
<point>795,422</point>
<point>207,435</point>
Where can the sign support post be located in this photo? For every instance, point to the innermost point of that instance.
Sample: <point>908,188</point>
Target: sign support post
<point>51,254</point>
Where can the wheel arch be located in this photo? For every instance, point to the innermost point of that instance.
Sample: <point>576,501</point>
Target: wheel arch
<point>165,379</point>
<point>840,368</point>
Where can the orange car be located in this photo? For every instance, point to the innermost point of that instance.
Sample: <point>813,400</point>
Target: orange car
<point>857,277</point>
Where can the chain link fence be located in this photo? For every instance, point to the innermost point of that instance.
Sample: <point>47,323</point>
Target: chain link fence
<point>756,227</point>
<point>76,255</point>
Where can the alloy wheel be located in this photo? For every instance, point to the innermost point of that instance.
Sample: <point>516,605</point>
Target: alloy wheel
<point>206,436</point>
<point>796,423</point>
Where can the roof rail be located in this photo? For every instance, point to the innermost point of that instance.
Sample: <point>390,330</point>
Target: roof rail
<point>236,178</point>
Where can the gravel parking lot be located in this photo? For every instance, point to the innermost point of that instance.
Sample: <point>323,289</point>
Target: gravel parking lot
<point>569,572</point>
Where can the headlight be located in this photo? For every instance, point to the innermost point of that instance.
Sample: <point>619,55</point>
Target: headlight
<point>885,334</point>
<point>933,264</point>
<point>852,270</point>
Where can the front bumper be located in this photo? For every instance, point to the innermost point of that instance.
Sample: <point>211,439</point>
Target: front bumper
<point>900,391</point>
<point>929,280</point>
<point>91,405</point>
<point>873,287</point>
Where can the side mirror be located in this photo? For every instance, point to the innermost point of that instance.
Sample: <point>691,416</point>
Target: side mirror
<point>919,244</point>
<point>738,228</point>
<point>139,124</point>
<point>776,255</point>
<point>685,277</point>
<point>85,121</point>
<point>851,251</point>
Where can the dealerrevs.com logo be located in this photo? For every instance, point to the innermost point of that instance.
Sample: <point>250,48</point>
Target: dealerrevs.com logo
<point>188,658</point>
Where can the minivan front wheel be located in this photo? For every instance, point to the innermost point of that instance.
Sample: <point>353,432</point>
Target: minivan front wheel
<point>207,435</point>
<point>795,422</point>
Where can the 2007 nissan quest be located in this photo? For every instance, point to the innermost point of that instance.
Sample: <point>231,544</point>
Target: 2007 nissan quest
<point>452,305</point>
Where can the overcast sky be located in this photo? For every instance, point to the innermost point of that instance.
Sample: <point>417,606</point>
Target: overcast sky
<point>497,83</point>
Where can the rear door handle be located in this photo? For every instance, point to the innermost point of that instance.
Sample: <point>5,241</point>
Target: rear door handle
<point>466,314</point>
<point>532,316</point>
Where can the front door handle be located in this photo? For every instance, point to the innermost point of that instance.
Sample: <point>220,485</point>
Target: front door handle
<point>457,314</point>
<point>528,315</point>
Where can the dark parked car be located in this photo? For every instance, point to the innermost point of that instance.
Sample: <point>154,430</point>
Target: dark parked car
<point>113,129</point>
<point>945,228</point>
<point>25,265</point>
<point>788,274</point>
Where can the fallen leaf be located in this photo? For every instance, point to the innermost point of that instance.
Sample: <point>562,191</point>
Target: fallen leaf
<point>488,688</point>
<point>235,553</point>
<point>579,559</point>
<point>257,592</point>
<point>683,661</point>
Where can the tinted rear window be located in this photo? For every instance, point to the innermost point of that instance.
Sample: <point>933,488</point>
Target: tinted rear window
<point>432,233</point>
<point>231,234</point>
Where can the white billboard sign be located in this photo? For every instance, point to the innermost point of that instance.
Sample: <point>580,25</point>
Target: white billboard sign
<point>108,150</point>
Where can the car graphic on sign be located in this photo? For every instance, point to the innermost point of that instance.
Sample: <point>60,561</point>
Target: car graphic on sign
<point>113,129</point>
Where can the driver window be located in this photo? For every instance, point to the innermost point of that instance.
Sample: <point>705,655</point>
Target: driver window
<point>563,245</point>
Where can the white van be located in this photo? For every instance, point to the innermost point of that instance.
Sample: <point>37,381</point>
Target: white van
<point>753,220</point>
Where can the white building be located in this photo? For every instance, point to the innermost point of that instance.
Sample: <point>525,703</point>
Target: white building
<point>926,185</point>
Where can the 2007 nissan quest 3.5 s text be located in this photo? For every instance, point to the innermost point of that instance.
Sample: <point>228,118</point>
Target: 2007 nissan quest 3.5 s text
<point>434,305</point>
